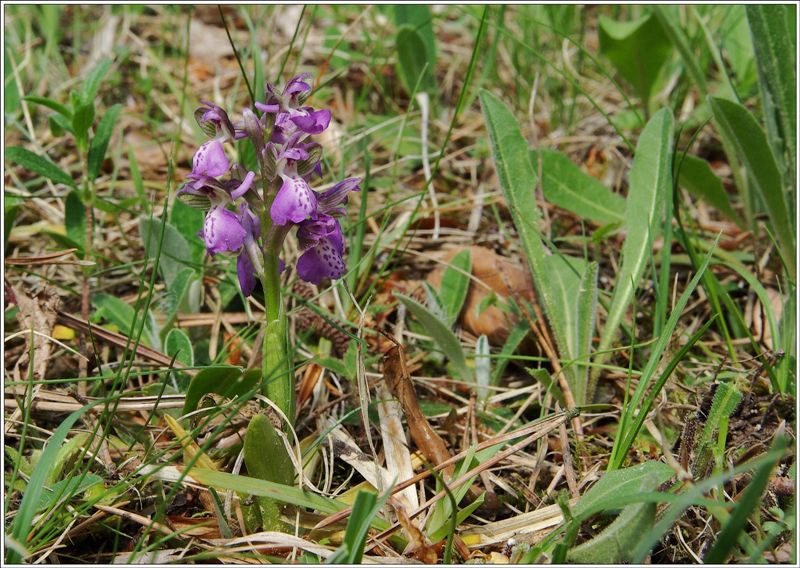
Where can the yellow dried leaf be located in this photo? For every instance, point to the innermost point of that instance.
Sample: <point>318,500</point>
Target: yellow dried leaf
<point>63,333</point>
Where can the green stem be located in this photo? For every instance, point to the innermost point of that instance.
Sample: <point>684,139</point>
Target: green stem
<point>277,377</point>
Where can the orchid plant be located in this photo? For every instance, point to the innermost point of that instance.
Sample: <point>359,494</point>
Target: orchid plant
<point>250,214</point>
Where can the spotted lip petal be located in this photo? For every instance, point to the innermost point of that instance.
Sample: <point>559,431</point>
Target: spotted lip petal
<point>222,231</point>
<point>210,160</point>
<point>295,201</point>
<point>320,262</point>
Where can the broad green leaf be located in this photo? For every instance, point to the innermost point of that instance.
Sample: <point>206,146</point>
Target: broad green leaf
<point>75,219</point>
<point>66,489</point>
<point>518,182</point>
<point>99,144</point>
<point>564,184</point>
<point>123,316</point>
<point>455,285</point>
<point>177,344</point>
<point>174,249</point>
<point>39,165</point>
<point>563,282</point>
<point>442,335</point>
<point>614,543</point>
<point>650,181</point>
<point>49,103</point>
<point>266,458</point>
<point>224,380</point>
<point>262,488</point>
<point>777,78</point>
<point>749,142</point>
<point>22,523</point>
<point>638,50</point>
<point>175,300</point>
<point>620,483</point>
<point>412,62</point>
<point>696,177</point>
<point>189,221</point>
<point>419,17</point>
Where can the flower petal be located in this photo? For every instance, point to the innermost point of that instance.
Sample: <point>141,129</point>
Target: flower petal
<point>222,231</point>
<point>246,273</point>
<point>330,201</point>
<point>210,160</point>
<point>320,262</point>
<point>247,182</point>
<point>295,201</point>
<point>312,122</point>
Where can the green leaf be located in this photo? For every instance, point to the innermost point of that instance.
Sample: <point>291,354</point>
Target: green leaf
<point>419,17</point>
<point>262,488</point>
<point>224,380</point>
<point>650,181</point>
<point>697,177</point>
<point>92,81</point>
<point>177,344</point>
<point>565,185</point>
<point>82,119</point>
<point>266,458</point>
<point>747,138</point>
<point>614,543</point>
<point>412,62</point>
<point>638,50</point>
<point>188,221</point>
<point>39,165</point>
<point>99,144</point>
<point>364,512</point>
<point>777,78</point>
<point>66,489</point>
<point>563,283</point>
<point>120,314</point>
<point>174,248</point>
<point>586,319</point>
<point>75,219</point>
<point>518,181</point>
<point>442,335</point>
<point>49,103</point>
<point>21,526</point>
<point>455,285</point>
<point>620,483</point>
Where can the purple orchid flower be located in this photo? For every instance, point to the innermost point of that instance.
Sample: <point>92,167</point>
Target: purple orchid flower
<point>321,238</point>
<point>209,161</point>
<point>323,243</point>
<point>290,117</point>
<point>214,121</point>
